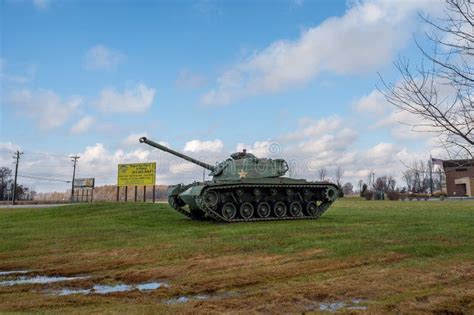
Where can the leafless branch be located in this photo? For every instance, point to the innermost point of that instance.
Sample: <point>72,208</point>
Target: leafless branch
<point>440,97</point>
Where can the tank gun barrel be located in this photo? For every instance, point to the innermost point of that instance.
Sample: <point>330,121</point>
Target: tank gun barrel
<point>187,158</point>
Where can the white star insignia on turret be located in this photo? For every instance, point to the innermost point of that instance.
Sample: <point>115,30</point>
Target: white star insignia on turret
<point>242,173</point>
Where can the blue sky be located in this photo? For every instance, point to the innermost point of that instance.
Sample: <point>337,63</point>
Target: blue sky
<point>206,77</point>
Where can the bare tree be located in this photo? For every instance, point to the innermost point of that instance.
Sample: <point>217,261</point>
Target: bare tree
<point>408,178</point>
<point>370,178</point>
<point>385,184</point>
<point>322,174</point>
<point>338,175</point>
<point>441,96</point>
<point>417,176</point>
<point>5,181</point>
<point>391,183</point>
<point>347,189</point>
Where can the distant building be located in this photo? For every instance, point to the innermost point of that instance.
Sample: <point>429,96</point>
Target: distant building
<point>459,178</point>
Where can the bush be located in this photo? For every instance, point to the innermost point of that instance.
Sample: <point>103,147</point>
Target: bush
<point>439,194</point>
<point>422,196</point>
<point>403,197</point>
<point>393,195</point>
<point>340,193</point>
<point>369,195</point>
<point>418,196</point>
<point>378,195</point>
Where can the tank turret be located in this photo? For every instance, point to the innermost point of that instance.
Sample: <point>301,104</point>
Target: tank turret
<point>247,188</point>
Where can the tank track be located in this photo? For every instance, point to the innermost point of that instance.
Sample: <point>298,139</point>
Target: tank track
<point>173,201</point>
<point>288,194</point>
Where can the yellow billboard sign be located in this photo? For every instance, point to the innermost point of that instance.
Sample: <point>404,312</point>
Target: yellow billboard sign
<point>136,174</point>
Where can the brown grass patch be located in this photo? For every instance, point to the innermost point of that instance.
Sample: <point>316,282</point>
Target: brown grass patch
<point>277,284</point>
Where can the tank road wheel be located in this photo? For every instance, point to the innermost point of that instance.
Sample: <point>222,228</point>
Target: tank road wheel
<point>211,198</point>
<point>296,209</point>
<point>264,210</point>
<point>229,210</point>
<point>246,210</point>
<point>279,208</point>
<point>312,209</point>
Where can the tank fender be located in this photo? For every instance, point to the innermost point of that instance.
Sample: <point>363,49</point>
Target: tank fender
<point>175,190</point>
<point>190,195</point>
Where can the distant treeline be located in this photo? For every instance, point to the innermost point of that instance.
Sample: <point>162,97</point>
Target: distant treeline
<point>109,193</point>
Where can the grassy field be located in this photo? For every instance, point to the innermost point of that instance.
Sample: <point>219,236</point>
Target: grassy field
<point>410,257</point>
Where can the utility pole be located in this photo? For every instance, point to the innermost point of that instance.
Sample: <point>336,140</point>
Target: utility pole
<point>74,160</point>
<point>17,157</point>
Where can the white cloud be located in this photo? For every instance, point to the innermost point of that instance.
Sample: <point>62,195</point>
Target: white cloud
<point>9,146</point>
<point>190,80</point>
<point>133,100</point>
<point>336,141</point>
<point>362,40</point>
<point>99,160</point>
<point>83,125</point>
<point>380,152</point>
<point>132,139</point>
<point>374,103</point>
<point>261,149</point>
<point>100,57</point>
<point>46,107</point>
<point>183,168</point>
<point>214,146</point>
<point>314,128</point>
<point>325,139</point>
<point>27,74</point>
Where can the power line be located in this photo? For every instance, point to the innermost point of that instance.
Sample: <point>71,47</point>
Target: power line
<point>30,153</point>
<point>50,166</point>
<point>43,178</point>
<point>44,174</point>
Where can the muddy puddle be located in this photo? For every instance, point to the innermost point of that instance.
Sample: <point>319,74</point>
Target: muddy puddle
<point>353,304</point>
<point>19,277</point>
<point>33,279</point>
<point>106,289</point>
<point>14,272</point>
<point>199,297</point>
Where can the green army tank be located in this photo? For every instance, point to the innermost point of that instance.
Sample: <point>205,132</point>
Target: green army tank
<point>245,188</point>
